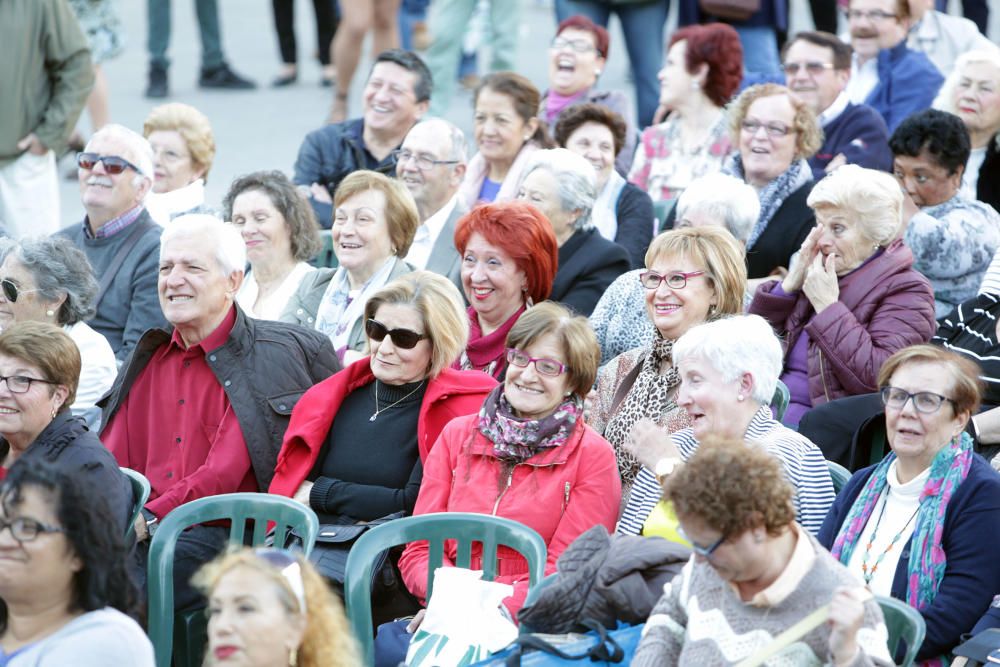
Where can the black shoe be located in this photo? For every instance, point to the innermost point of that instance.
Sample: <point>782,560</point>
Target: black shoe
<point>224,78</point>
<point>157,87</point>
<point>283,80</point>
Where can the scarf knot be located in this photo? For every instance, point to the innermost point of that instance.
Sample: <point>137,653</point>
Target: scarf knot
<point>516,439</point>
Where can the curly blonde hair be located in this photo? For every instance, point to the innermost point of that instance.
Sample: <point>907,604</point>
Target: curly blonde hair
<point>191,124</point>
<point>808,134</point>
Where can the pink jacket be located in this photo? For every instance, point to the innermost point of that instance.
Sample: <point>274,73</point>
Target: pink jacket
<point>560,492</point>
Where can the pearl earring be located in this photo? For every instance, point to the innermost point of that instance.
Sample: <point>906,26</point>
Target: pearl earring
<point>50,312</point>
<point>597,72</point>
<point>695,85</point>
<point>740,397</point>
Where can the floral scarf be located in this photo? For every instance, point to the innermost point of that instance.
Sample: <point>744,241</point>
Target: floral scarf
<point>516,440</point>
<point>339,309</point>
<point>772,195</point>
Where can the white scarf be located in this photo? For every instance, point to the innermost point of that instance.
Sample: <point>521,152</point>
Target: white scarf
<point>604,213</point>
<point>341,307</point>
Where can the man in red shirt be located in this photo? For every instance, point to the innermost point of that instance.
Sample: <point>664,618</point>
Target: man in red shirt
<point>202,410</point>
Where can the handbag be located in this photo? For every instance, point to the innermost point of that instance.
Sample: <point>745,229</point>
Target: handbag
<point>600,646</point>
<point>734,10</point>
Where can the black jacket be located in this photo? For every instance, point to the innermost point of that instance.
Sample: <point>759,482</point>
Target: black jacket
<point>588,263</point>
<point>783,236</point>
<point>634,212</point>
<point>264,368</point>
<point>988,185</point>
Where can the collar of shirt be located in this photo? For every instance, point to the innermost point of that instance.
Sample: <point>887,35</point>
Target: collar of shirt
<point>114,225</point>
<point>212,341</point>
<point>803,557</point>
<point>835,109</point>
<point>427,234</point>
<point>863,79</point>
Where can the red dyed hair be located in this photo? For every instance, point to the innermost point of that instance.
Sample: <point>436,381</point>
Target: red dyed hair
<point>521,231</point>
<point>718,46</point>
<point>602,40</point>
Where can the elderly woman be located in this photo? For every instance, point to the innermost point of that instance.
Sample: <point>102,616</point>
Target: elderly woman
<point>506,132</point>
<point>622,212</point>
<point>60,548</point>
<point>972,92</point>
<point>728,370</point>
<point>693,275</point>
<point>702,71</point>
<point>269,607</point>
<point>852,298</point>
<point>577,56</point>
<point>374,222</point>
<point>953,238</point>
<point>526,453</point>
<point>183,151</point>
<point>912,526</point>
<point>560,184</point>
<point>754,574</point>
<point>281,233</point>
<point>48,279</point>
<point>509,258</point>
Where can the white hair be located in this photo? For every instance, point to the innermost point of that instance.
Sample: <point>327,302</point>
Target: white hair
<point>459,147</point>
<point>137,148</point>
<point>575,177</point>
<point>872,198</point>
<point>230,249</point>
<point>945,100</point>
<point>725,198</point>
<point>736,345</point>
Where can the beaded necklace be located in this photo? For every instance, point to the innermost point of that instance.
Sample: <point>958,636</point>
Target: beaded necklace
<point>869,574</point>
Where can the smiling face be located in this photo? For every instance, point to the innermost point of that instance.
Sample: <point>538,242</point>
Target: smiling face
<point>24,416</point>
<point>360,234</point>
<point>531,394</point>
<point>709,399</point>
<point>574,61</point>
<point>818,89</point>
<point>541,188</point>
<point>391,363</point>
<point>499,131</point>
<point>844,238</point>
<point>596,143</point>
<point>104,195</point>
<point>263,228</point>
<point>493,282</point>
<point>874,25</point>
<point>672,311</point>
<point>30,306</point>
<point>675,80</point>
<point>977,98</point>
<point>431,188</point>
<point>766,153</point>
<point>390,103</point>
<point>927,182</point>
<point>173,167</point>
<point>248,622</point>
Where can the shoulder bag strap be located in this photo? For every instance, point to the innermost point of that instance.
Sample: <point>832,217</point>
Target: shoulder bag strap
<point>605,650</point>
<point>138,228</point>
<point>626,385</point>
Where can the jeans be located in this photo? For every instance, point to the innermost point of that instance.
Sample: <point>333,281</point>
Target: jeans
<point>642,24</point>
<point>158,33</point>
<point>761,61</point>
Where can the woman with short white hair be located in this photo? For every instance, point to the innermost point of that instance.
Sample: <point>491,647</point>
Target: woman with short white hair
<point>852,298</point>
<point>728,370</point>
<point>561,185</point>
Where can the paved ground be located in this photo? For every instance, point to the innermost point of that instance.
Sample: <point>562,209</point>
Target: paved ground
<point>262,129</point>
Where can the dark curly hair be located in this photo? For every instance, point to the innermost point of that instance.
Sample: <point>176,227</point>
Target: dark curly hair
<point>718,46</point>
<point>291,204</point>
<point>944,135</point>
<point>572,118</point>
<point>95,538</point>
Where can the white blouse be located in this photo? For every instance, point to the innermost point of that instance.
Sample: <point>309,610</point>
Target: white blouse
<point>272,307</point>
<point>97,372</point>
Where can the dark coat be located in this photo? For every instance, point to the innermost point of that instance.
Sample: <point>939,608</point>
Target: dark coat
<point>987,188</point>
<point>860,134</point>
<point>588,264</point>
<point>264,368</point>
<point>783,236</point>
<point>634,212</point>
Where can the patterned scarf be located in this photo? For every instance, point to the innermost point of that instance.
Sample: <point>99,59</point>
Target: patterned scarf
<point>486,353</point>
<point>651,396</point>
<point>516,440</point>
<point>772,195</point>
<point>927,559</point>
<point>338,310</point>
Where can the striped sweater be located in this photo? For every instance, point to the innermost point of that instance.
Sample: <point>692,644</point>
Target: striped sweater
<point>802,461</point>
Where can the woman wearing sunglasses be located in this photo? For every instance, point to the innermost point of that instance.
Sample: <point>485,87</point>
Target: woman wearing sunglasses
<point>920,525</point>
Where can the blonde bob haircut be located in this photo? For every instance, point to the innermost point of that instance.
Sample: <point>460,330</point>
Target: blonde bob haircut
<point>808,134</point>
<point>871,199</point>
<point>713,248</point>
<point>439,303</point>
<point>967,388</point>
<point>327,641</point>
<point>401,216</point>
<point>191,124</point>
<point>581,353</point>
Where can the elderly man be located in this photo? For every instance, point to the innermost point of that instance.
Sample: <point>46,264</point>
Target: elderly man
<point>118,236</point>
<point>47,75</point>
<point>396,96</point>
<point>887,75</point>
<point>943,37</point>
<point>817,68</point>
<point>431,164</point>
<point>202,410</point>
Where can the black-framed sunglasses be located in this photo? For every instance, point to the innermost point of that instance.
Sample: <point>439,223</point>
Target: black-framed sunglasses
<point>26,530</point>
<point>113,164</point>
<point>20,384</point>
<point>923,401</point>
<point>11,291</point>
<point>704,552</point>
<point>403,338</point>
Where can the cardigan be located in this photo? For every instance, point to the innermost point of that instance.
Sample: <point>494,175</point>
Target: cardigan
<point>588,264</point>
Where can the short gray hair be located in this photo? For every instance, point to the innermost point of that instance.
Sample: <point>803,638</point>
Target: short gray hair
<point>945,100</point>
<point>575,178</point>
<point>230,249</point>
<point>736,345</point>
<point>140,152</point>
<point>459,147</point>
<point>59,269</point>
<point>873,199</point>
<point>726,198</point>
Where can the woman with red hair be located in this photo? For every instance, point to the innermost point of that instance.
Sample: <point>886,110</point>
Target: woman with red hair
<point>702,72</point>
<point>509,260</point>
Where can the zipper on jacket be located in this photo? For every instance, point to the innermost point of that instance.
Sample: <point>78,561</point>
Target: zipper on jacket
<point>822,375</point>
<point>510,478</point>
<point>565,497</point>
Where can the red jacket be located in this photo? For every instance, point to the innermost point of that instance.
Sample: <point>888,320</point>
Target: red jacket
<point>560,492</point>
<point>451,394</point>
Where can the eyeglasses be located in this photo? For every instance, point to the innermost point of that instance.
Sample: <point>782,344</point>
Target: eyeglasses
<point>113,164</point>
<point>871,15</point>
<point>11,291</point>
<point>923,401</point>
<point>577,45</point>
<point>676,280</point>
<point>26,530</point>
<point>423,162</point>
<point>772,129</point>
<point>549,367</point>
<point>289,568</point>
<point>20,384</point>
<point>704,552</point>
<point>403,338</point>
<point>791,69</point>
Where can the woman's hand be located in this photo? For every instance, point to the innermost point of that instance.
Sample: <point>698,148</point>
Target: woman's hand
<point>648,443</point>
<point>847,611</point>
<point>796,276</point>
<point>820,285</point>
<point>302,494</point>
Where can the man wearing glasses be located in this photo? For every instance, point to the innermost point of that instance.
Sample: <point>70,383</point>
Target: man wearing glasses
<point>817,68</point>
<point>885,74</point>
<point>118,236</point>
<point>431,164</point>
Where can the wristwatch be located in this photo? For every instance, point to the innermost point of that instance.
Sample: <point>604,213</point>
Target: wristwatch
<point>152,522</point>
<point>665,466</point>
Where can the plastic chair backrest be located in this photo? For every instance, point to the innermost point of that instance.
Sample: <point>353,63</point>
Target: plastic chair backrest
<point>838,474</point>
<point>905,624</point>
<point>238,508</point>
<point>140,494</point>
<point>325,258</point>
<point>464,527</point>
<point>779,402</point>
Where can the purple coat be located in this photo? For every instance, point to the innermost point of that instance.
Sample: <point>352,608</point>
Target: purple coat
<point>884,306</point>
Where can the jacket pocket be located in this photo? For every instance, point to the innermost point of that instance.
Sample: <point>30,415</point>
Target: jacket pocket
<point>283,404</point>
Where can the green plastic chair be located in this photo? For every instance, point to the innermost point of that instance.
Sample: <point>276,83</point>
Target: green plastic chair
<point>905,625</point>
<point>182,636</point>
<point>465,527</point>
<point>140,494</point>
<point>839,474</point>
<point>326,258</point>
<point>779,402</point>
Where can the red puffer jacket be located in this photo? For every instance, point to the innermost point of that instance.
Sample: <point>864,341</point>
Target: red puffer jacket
<point>560,492</point>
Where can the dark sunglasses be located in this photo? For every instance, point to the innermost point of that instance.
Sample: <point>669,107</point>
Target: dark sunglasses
<point>113,164</point>
<point>403,338</point>
<point>11,290</point>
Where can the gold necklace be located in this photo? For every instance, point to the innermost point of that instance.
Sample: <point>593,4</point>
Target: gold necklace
<point>379,410</point>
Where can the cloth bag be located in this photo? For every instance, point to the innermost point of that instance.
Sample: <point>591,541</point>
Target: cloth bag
<point>598,647</point>
<point>734,10</point>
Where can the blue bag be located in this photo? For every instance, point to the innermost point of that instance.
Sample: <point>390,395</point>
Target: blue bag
<point>600,647</point>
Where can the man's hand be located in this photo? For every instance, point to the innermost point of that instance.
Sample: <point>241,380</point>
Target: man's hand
<point>141,533</point>
<point>320,193</point>
<point>838,161</point>
<point>302,495</point>
<point>32,144</point>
